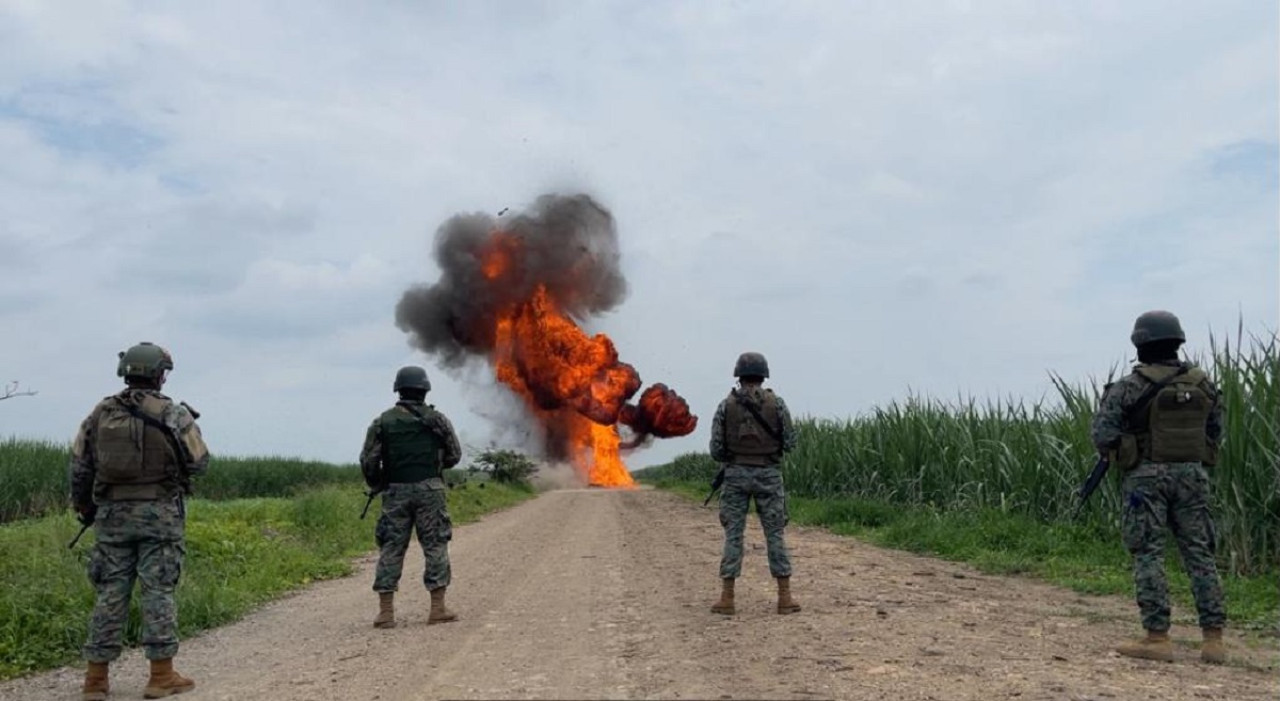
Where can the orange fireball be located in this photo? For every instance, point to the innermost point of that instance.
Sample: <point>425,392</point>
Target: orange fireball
<point>511,292</point>
<point>573,383</point>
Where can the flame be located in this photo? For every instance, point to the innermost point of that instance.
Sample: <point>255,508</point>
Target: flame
<point>574,384</point>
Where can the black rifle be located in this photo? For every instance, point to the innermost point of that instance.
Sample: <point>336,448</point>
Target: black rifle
<point>83,528</point>
<point>1100,469</point>
<point>1090,484</point>
<point>715,485</point>
<point>371,494</point>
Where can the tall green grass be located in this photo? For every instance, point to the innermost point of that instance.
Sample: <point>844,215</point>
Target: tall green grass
<point>240,553</point>
<point>34,477</point>
<point>1029,458</point>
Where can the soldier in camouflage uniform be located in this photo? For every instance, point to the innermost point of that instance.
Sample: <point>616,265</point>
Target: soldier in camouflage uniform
<point>1162,424</point>
<point>406,451</point>
<point>751,430</point>
<point>130,464</point>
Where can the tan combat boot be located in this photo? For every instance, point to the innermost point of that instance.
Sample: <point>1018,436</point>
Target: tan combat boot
<point>785,603</point>
<point>1213,650</point>
<point>165,681</point>
<point>1156,646</point>
<point>96,686</point>
<point>725,604</point>
<point>439,614</point>
<point>386,610</point>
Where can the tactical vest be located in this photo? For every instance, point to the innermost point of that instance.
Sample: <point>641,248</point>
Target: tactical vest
<point>746,440</point>
<point>410,450</point>
<point>135,461</point>
<point>1172,426</point>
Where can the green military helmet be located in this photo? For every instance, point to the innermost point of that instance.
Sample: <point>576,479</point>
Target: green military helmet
<point>1156,325</point>
<point>412,377</point>
<point>144,360</point>
<point>751,364</point>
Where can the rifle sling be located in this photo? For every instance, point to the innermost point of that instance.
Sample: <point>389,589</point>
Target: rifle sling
<point>169,435</point>
<point>1150,393</point>
<point>755,414</point>
<point>382,434</point>
<point>157,423</point>
<point>418,415</point>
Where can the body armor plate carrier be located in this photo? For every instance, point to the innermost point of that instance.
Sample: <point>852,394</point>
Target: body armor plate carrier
<point>411,450</point>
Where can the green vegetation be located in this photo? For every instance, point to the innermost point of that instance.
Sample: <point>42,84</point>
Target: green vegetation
<point>994,483</point>
<point>33,478</point>
<point>240,553</point>
<point>505,466</point>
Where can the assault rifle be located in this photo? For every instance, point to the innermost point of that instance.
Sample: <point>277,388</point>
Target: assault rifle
<point>84,527</point>
<point>1091,484</point>
<point>371,494</point>
<point>715,485</point>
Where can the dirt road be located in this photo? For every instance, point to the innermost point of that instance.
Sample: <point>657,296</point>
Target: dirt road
<point>587,594</point>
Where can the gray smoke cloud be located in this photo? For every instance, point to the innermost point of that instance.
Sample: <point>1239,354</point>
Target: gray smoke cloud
<point>567,243</point>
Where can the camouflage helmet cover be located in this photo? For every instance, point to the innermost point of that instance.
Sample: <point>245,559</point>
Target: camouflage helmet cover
<point>144,360</point>
<point>751,364</point>
<point>1156,325</point>
<point>412,377</point>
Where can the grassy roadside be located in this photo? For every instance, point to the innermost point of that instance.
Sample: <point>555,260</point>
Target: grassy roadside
<point>34,477</point>
<point>240,554</point>
<point>1085,558</point>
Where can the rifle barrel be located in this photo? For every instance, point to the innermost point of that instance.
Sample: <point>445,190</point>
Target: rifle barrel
<point>76,539</point>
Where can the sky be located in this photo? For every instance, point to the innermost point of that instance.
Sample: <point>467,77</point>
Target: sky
<point>943,198</point>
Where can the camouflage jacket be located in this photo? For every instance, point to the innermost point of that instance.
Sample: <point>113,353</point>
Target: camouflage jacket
<point>719,448</point>
<point>371,453</point>
<point>1119,396</point>
<point>176,416</point>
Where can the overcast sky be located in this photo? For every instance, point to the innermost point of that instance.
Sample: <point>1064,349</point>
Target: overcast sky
<point>883,197</point>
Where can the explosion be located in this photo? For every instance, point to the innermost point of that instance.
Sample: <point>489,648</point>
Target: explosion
<point>509,292</point>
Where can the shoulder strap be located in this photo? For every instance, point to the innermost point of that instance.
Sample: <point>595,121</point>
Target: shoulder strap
<point>170,435</point>
<point>755,414</point>
<point>153,422</point>
<point>418,415</point>
<point>1145,398</point>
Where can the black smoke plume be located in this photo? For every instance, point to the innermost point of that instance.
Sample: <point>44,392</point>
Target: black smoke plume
<point>490,270</point>
<point>569,244</point>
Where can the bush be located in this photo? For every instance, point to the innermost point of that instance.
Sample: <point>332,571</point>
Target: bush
<point>505,466</point>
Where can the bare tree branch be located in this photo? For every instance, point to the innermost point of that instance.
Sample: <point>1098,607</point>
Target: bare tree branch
<point>11,391</point>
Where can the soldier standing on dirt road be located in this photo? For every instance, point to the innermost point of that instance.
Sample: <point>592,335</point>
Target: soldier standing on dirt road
<point>130,464</point>
<point>406,451</point>
<point>1162,425</point>
<point>751,430</point>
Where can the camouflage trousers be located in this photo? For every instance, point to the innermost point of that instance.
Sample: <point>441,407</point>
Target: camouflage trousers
<point>143,541</point>
<point>406,507</point>
<point>1173,496</point>
<point>741,485</point>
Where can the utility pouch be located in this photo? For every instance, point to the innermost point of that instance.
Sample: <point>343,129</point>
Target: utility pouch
<point>1127,455</point>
